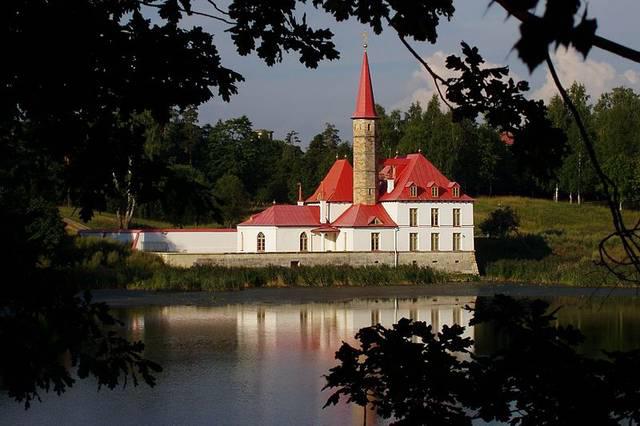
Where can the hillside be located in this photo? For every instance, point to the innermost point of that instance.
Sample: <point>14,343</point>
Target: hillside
<point>556,243</point>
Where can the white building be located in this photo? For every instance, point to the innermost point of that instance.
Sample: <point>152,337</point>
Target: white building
<point>400,204</point>
<point>397,204</point>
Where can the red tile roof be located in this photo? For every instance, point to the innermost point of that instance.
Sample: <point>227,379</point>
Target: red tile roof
<point>337,185</point>
<point>365,105</point>
<point>285,215</point>
<point>416,169</point>
<point>363,215</point>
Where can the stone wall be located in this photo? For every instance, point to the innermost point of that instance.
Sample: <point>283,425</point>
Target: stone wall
<point>459,262</point>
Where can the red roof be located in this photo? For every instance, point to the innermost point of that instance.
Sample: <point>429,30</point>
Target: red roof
<point>416,169</point>
<point>337,185</point>
<point>326,228</point>
<point>363,215</point>
<point>365,105</point>
<point>285,215</point>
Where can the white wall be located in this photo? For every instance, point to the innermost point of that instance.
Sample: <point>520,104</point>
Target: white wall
<point>179,240</point>
<point>361,239</point>
<point>288,238</point>
<point>185,241</point>
<point>247,238</point>
<point>279,239</point>
<point>399,212</point>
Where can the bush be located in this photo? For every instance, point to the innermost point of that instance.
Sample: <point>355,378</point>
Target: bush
<point>501,222</point>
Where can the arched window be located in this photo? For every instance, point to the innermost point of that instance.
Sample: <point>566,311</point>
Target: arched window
<point>260,241</point>
<point>304,246</point>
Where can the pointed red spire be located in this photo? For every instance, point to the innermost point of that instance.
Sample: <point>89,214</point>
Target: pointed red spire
<point>365,105</point>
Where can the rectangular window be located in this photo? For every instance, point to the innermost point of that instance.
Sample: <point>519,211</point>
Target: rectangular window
<point>456,241</point>
<point>434,217</point>
<point>413,241</point>
<point>455,191</point>
<point>375,241</point>
<point>456,217</point>
<point>413,217</point>
<point>434,191</point>
<point>435,241</point>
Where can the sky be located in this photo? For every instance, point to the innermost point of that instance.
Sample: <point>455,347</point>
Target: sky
<point>288,96</point>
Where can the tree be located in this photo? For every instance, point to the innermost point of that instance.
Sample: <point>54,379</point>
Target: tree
<point>186,197</point>
<point>232,198</point>
<point>575,175</point>
<point>617,121</point>
<point>414,374</point>
<point>390,128</point>
<point>69,130</point>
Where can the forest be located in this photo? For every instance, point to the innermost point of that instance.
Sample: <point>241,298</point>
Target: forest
<point>217,174</point>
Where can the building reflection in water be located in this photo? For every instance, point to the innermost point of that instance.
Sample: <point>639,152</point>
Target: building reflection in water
<point>275,355</point>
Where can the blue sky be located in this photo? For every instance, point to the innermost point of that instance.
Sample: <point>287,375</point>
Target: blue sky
<point>289,96</point>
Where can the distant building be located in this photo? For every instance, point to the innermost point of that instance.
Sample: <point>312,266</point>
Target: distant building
<point>378,211</point>
<point>264,134</point>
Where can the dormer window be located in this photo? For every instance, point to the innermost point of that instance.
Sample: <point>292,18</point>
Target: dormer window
<point>413,191</point>
<point>375,221</point>
<point>455,191</point>
<point>434,191</point>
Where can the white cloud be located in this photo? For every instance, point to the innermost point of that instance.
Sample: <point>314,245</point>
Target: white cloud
<point>421,87</point>
<point>597,77</point>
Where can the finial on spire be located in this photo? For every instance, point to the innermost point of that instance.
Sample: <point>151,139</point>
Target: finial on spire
<point>365,39</point>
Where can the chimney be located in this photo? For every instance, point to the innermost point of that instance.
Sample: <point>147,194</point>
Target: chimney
<point>391,183</point>
<point>300,200</point>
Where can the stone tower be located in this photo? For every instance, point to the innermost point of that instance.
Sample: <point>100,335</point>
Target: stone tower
<point>365,136</point>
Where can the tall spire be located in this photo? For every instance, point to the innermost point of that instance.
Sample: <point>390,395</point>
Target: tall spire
<point>365,105</point>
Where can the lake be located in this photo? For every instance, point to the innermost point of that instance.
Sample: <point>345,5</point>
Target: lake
<point>259,358</point>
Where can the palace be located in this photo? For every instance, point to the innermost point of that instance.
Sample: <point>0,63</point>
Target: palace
<point>378,211</point>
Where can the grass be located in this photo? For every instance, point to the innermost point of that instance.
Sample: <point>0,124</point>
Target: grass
<point>101,263</point>
<point>556,242</point>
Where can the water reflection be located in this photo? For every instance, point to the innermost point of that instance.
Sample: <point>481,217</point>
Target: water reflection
<point>263,364</point>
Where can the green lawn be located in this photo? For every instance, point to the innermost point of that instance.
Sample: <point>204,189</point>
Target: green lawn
<point>557,242</point>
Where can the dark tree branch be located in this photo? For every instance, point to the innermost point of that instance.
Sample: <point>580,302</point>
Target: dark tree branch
<point>524,15</point>
<point>215,6</point>
<point>436,78</point>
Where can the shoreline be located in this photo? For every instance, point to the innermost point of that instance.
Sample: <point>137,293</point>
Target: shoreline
<point>296,295</point>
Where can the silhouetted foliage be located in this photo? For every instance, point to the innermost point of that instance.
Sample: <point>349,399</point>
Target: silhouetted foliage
<point>416,375</point>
